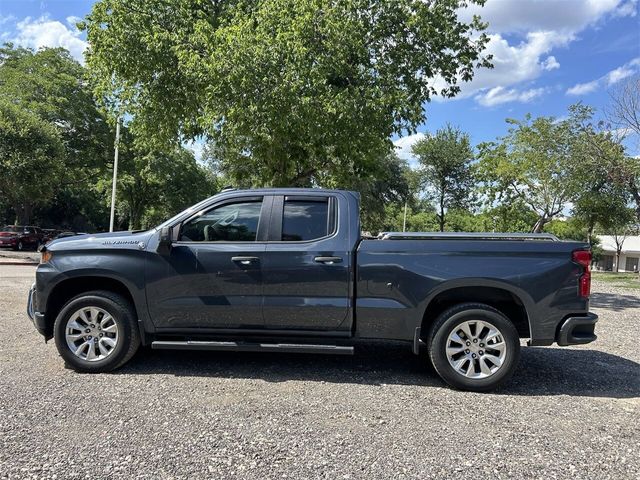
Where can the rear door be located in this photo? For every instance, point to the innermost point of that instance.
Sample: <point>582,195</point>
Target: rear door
<point>306,270</point>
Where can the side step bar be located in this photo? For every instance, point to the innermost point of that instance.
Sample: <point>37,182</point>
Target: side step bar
<point>251,347</point>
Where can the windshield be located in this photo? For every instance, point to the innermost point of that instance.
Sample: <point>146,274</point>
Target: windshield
<point>12,228</point>
<point>193,208</point>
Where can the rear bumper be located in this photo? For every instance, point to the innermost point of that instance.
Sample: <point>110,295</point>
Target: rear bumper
<point>37,318</point>
<point>577,330</point>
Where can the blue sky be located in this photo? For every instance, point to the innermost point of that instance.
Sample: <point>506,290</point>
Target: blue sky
<point>548,54</point>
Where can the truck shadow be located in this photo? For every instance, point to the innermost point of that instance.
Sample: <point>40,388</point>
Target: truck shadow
<point>542,371</point>
<point>617,303</point>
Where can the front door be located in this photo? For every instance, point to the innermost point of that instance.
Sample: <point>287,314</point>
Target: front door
<point>212,278</point>
<point>306,270</point>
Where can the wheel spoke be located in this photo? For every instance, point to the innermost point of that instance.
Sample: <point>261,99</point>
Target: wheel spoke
<point>78,351</point>
<point>84,317</point>
<point>110,329</point>
<point>456,338</point>
<point>471,371</point>
<point>493,335</point>
<point>105,320</point>
<point>91,353</point>
<point>75,326</point>
<point>466,328</point>
<point>94,315</point>
<point>457,365</point>
<point>484,368</point>
<point>493,359</point>
<point>451,351</point>
<point>103,349</point>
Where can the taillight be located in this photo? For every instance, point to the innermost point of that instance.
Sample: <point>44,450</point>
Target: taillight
<point>583,257</point>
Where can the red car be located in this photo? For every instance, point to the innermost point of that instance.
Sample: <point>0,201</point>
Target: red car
<point>20,237</point>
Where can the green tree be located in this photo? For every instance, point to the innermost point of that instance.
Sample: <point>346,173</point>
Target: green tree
<point>445,170</point>
<point>50,86</point>
<point>514,216</point>
<point>620,227</point>
<point>154,185</point>
<point>532,164</point>
<point>31,154</point>
<point>390,182</point>
<point>289,92</point>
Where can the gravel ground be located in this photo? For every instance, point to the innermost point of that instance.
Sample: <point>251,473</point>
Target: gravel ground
<point>568,413</point>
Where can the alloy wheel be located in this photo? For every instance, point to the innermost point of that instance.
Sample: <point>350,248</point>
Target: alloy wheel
<point>476,349</point>
<point>91,333</point>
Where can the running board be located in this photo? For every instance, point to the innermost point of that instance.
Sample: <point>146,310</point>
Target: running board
<point>251,347</point>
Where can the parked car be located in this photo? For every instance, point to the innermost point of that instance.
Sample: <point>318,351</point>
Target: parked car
<point>21,237</point>
<point>49,234</point>
<point>65,234</point>
<point>286,270</point>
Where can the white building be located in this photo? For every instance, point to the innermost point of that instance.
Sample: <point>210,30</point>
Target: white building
<point>629,255</point>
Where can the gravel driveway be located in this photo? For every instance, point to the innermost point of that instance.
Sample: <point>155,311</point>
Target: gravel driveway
<point>568,413</point>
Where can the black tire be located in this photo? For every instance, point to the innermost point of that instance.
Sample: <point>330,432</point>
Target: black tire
<point>124,316</point>
<point>20,246</point>
<point>456,315</point>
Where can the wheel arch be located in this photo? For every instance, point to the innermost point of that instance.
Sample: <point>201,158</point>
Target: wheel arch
<point>68,288</point>
<point>514,304</point>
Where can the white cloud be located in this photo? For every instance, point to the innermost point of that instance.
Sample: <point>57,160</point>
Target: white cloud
<point>521,16</point>
<point>550,63</point>
<point>628,9</point>
<point>607,80</point>
<point>403,147</point>
<point>620,73</point>
<point>583,88</point>
<point>523,33</point>
<point>499,95</point>
<point>44,32</point>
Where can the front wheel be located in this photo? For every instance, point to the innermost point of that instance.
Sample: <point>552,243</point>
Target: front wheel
<point>474,347</point>
<point>96,332</point>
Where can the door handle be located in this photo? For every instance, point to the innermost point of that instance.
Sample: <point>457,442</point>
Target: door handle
<point>328,260</point>
<point>244,260</point>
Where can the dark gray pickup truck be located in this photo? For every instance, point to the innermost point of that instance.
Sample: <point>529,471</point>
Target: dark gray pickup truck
<point>287,270</point>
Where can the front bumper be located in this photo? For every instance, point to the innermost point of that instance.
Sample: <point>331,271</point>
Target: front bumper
<point>37,318</point>
<point>577,330</point>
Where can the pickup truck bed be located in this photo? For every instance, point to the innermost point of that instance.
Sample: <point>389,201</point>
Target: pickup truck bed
<point>287,270</point>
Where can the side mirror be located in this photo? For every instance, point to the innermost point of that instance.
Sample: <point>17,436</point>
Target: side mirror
<point>165,240</point>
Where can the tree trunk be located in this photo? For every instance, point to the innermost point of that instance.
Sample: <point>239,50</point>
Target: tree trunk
<point>23,213</point>
<point>636,197</point>
<point>617,261</point>
<point>441,218</point>
<point>539,226</point>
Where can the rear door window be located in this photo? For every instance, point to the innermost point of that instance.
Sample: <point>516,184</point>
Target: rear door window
<point>306,219</point>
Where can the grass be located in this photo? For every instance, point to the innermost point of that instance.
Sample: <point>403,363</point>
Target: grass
<point>627,280</point>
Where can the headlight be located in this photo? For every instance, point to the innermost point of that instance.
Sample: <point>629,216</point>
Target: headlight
<point>45,256</point>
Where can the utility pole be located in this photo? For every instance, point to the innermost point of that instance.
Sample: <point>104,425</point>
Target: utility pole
<point>115,175</point>
<point>404,222</point>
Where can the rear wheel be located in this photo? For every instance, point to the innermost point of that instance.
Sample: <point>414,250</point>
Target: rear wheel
<point>19,246</point>
<point>96,332</point>
<point>474,347</point>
